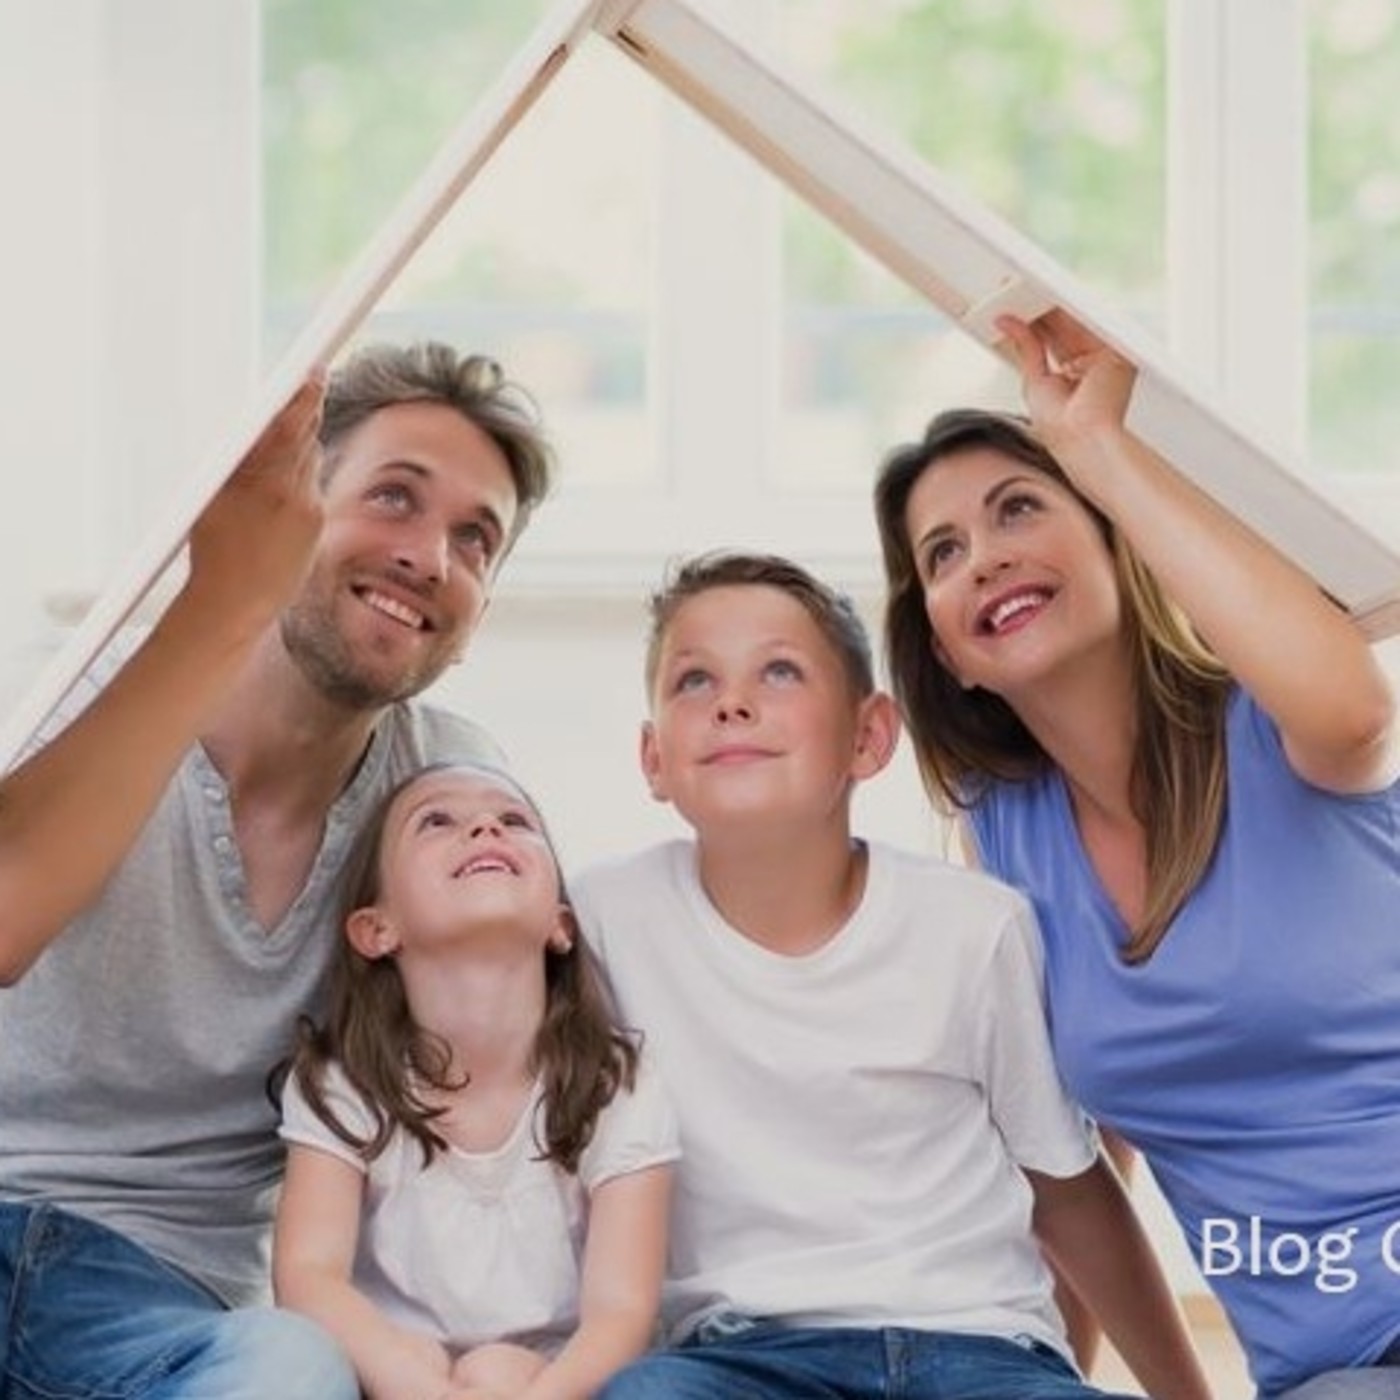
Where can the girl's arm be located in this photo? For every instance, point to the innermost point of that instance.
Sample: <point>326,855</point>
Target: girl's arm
<point>623,1263</point>
<point>69,814</point>
<point>1090,1233</point>
<point>1293,650</point>
<point>318,1225</point>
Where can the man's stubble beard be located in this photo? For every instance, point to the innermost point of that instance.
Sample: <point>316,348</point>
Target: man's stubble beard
<point>320,653</point>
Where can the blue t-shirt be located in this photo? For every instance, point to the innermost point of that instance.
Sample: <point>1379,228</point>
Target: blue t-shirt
<point>1254,1059</point>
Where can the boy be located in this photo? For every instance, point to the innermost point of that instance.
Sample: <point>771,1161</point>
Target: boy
<point>854,1042</point>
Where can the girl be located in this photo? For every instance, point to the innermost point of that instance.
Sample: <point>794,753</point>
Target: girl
<point>1200,797</point>
<point>468,1107</point>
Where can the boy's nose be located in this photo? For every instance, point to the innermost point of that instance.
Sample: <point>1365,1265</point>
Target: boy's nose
<point>731,711</point>
<point>485,824</point>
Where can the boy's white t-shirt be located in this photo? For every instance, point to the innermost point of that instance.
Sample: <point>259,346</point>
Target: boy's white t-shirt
<point>483,1246</point>
<point>853,1121</point>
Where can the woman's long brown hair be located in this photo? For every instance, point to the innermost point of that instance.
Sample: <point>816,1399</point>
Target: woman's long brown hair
<point>581,1055</point>
<point>966,740</point>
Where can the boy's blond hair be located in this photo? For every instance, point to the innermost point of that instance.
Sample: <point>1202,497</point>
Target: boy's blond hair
<point>833,612</point>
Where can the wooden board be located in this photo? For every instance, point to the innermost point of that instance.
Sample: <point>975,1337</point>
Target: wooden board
<point>963,258</point>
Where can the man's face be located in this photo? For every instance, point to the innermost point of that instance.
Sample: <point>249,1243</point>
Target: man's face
<point>418,511</point>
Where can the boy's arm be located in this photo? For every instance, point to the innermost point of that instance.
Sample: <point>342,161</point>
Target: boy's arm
<point>623,1263</point>
<point>1081,1326</point>
<point>1090,1233</point>
<point>318,1226</point>
<point>70,813</point>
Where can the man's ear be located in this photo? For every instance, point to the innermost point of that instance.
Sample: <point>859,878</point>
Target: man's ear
<point>565,932</point>
<point>877,735</point>
<point>371,935</point>
<point>650,754</point>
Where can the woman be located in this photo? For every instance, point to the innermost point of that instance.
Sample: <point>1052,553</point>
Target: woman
<point>1199,795</point>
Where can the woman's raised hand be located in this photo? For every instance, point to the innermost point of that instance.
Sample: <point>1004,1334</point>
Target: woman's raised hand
<point>1075,387</point>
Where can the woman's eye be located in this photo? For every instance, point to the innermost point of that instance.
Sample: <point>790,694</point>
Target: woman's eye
<point>939,555</point>
<point>1019,505</point>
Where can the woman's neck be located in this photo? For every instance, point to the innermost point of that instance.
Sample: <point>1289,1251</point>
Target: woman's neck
<point>1087,725</point>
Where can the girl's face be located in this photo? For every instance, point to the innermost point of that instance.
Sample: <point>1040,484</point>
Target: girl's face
<point>1017,579</point>
<point>464,855</point>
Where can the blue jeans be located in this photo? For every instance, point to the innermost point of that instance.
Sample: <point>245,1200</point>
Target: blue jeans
<point>88,1315</point>
<point>739,1360</point>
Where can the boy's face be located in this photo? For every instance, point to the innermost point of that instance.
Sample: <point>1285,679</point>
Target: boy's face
<point>753,716</point>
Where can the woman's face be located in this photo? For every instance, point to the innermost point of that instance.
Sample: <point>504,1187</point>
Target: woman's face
<point>1018,582</point>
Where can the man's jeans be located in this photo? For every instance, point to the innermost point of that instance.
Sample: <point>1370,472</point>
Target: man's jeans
<point>88,1315</point>
<point>737,1359</point>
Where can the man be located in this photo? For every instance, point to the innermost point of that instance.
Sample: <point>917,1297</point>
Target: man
<point>168,872</point>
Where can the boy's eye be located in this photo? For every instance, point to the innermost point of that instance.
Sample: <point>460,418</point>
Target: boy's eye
<point>520,820</point>
<point>693,679</point>
<point>781,669</point>
<point>434,817</point>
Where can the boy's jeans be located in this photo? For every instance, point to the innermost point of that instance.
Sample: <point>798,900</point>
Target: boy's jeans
<point>738,1359</point>
<point>88,1315</point>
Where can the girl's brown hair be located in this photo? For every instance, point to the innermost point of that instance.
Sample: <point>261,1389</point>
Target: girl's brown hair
<point>966,740</point>
<point>579,1052</point>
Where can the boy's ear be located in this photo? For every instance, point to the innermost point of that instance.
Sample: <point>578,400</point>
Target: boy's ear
<point>877,735</point>
<point>650,754</point>
<point>565,932</point>
<point>371,935</point>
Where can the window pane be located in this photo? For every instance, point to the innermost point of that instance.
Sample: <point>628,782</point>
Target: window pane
<point>545,263</point>
<point>1355,233</point>
<point>1049,111</point>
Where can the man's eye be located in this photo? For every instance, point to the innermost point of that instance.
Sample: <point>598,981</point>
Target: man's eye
<point>476,538</point>
<point>392,495</point>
